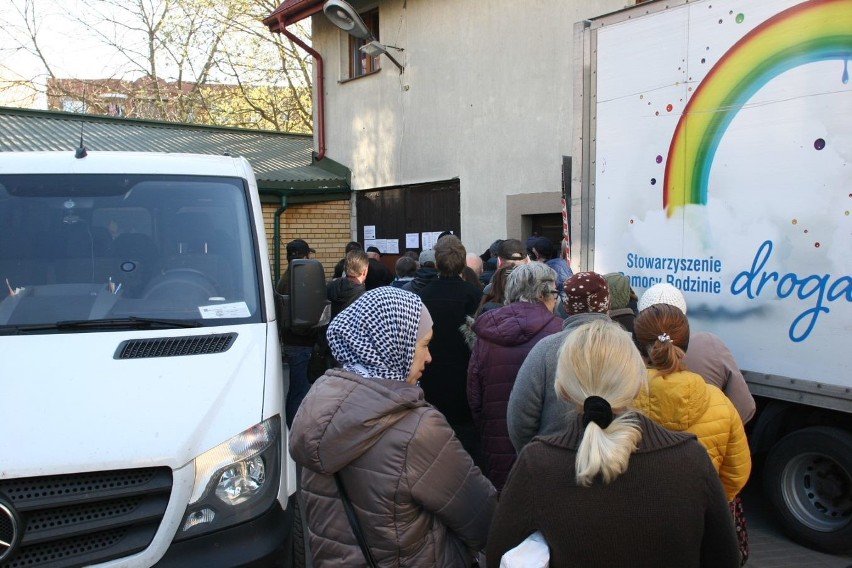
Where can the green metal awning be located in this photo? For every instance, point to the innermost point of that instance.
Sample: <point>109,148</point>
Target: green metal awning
<point>283,163</point>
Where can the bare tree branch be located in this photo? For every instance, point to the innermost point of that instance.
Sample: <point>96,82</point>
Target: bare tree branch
<point>208,61</point>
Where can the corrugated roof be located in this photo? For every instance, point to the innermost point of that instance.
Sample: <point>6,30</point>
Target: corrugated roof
<point>280,160</point>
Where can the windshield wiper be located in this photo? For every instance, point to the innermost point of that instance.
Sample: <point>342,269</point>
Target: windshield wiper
<point>131,322</point>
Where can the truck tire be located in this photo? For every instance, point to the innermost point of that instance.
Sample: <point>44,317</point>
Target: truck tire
<point>808,480</point>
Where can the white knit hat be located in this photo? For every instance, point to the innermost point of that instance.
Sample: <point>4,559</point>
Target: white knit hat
<point>662,293</point>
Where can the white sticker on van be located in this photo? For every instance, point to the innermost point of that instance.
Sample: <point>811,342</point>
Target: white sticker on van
<point>233,310</point>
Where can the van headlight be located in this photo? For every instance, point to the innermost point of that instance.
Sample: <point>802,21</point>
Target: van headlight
<point>234,482</point>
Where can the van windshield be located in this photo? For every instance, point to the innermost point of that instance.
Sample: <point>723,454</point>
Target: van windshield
<point>112,248</point>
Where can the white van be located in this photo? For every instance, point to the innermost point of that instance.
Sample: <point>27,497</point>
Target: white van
<point>141,382</point>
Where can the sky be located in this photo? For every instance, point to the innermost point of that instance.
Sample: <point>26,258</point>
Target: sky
<point>72,49</point>
<point>65,42</point>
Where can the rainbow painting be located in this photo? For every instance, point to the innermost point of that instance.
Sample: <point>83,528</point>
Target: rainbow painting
<point>812,31</point>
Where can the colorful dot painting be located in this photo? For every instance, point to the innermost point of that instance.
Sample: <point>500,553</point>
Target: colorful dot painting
<point>740,18</point>
<point>659,159</point>
<point>670,107</point>
<point>819,143</point>
<point>653,181</point>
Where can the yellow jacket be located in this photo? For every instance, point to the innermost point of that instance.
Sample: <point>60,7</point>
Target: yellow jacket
<point>682,401</point>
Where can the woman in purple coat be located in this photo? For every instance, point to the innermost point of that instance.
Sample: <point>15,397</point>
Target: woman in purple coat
<point>504,337</point>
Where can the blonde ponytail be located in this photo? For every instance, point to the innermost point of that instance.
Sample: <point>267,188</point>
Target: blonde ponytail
<point>599,360</point>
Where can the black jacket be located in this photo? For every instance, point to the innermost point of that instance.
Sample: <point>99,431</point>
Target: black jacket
<point>444,382</point>
<point>422,277</point>
<point>342,292</point>
<point>377,275</point>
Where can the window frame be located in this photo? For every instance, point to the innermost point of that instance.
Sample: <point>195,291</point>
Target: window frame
<point>359,63</point>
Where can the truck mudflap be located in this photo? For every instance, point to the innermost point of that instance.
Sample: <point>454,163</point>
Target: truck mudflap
<point>266,541</point>
<point>808,479</point>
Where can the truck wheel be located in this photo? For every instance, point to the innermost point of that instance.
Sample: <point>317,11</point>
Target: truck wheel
<point>808,479</point>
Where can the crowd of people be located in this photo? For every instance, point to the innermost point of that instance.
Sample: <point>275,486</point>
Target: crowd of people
<point>470,401</point>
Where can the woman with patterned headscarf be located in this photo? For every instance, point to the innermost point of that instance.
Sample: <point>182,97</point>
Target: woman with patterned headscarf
<point>416,494</point>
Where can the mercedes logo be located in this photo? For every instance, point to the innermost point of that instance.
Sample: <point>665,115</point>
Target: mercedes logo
<point>10,533</point>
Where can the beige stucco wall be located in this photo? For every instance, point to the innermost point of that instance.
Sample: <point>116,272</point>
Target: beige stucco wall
<point>486,96</point>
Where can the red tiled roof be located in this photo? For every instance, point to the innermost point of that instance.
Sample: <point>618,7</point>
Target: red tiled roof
<point>292,11</point>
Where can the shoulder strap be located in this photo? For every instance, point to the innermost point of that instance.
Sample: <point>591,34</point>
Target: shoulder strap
<point>353,522</point>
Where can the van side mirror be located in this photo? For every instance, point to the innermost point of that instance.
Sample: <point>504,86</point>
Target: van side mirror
<point>302,308</point>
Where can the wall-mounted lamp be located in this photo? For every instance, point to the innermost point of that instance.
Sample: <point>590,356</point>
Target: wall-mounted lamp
<point>344,16</point>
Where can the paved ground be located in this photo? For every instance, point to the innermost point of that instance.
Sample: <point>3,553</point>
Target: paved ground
<point>769,548</point>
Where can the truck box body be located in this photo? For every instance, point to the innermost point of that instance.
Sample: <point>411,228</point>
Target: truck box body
<point>141,369</point>
<point>714,154</point>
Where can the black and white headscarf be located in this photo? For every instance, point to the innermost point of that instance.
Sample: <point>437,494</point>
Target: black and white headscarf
<point>375,336</point>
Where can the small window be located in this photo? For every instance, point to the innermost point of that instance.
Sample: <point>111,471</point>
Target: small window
<point>74,105</point>
<point>359,63</point>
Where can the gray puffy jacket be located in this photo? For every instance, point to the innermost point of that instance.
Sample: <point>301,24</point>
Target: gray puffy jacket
<point>419,498</point>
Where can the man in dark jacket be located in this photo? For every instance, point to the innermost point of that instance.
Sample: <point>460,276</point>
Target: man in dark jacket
<point>449,299</point>
<point>425,274</point>
<point>297,347</point>
<point>377,274</point>
<point>341,292</point>
<point>348,288</point>
<point>350,246</point>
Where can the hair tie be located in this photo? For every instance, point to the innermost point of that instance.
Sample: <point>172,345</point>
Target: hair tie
<point>664,337</point>
<point>597,410</point>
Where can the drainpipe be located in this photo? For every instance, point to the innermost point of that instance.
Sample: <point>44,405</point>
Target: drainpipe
<point>276,235</point>
<point>320,90</point>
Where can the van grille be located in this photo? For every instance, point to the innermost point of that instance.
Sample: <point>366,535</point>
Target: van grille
<point>175,346</point>
<point>87,518</point>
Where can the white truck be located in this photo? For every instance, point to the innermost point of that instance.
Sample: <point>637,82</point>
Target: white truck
<point>713,148</point>
<point>141,381</point>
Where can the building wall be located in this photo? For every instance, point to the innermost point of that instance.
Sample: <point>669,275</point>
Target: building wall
<point>325,227</point>
<point>487,96</point>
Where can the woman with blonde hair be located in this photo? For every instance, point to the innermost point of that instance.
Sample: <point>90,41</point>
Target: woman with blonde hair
<point>615,488</point>
<point>682,401</point>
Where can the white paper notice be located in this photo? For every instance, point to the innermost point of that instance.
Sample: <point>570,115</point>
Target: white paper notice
<point>412,240</point>
<point>369,232</point>
<point>219,311</point>
<point>429,239</point>
<point>371,243</point>
<point>391,246</point>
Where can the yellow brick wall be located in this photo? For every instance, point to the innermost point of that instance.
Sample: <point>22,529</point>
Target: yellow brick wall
<point>325,226</point>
